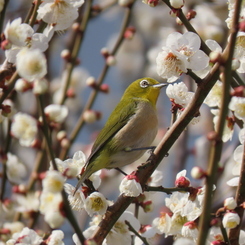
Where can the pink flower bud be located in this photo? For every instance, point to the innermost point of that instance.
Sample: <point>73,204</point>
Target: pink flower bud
<point>182,181</point>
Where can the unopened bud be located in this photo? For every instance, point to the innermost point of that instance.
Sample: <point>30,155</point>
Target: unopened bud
<point>40,86</point>
<point>61,135</point>
<point>105,88</point>
<point>231,220</point>
<point>125,3</point>
<point>129,33</point>
<point>36,144</point>
<point>230,203</point>
<point>179,22</point>
<point>221,76</point>
<point>76,26</point>
<point>6,110</point>
<point>65,54</point>
<point>105,52</point>
<point>191,14</point>
<point>214,57</point>
<point>197,173</point>
<point>65,143</point>
<point>91,82</point>
<point>6,44</point>
<point>111,60</point>
<point>242,26</point>
<point>91,116</point>
<point>218,242</point>
<point>151,3</point>
<point>22,85</point>
<point>147,206</point>
<point>177,4</point>
<point>70,93</point>
<point>235,64</point>
<point>238,91</point>
<point>96,9</point>
<point>213,136</point>
<point>182,182</point>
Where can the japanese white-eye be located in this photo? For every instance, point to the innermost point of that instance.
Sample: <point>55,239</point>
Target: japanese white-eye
<point>129,131</point>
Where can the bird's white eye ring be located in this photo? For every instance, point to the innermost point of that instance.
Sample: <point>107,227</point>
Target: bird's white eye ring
<point>144,83</point>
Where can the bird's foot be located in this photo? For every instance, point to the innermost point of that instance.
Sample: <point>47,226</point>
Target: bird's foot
<point>120,170</point>
<point>150,148</point>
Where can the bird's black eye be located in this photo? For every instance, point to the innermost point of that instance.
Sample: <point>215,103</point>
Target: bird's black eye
<point>144,84</point>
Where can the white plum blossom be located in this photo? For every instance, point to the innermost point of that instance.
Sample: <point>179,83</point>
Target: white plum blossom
<point>56,113</point>
<point>26,236</point>
<point>170,64</point>
<point>189,230</point>
<point>179,94</point>
<point>237,104</point>
<point>215,95</point>
<point>53,181</point>
<point>50,207</point>
<point>119,234</point>
<point>40,86</point>
<point>22,35</point>
<point>180,53</point>
<point>24,128</point>
<point>59,14</point>
<point>214,46</point>
<point>17,32</point>
<point>76,200</point>
<point>31,64</point>
<point>208,25</point>
<point>49,201</point>
<point>239,52</point>
<point>241,136</point>
<point>156,178</point>
<point>54,218</point>
<point>228,127</point>
<point>14,227</point>
<point>231,220</point>
<point>130,186</point>
<point>231,8</point>
<point>28,202</point>
<point>182,210</point>
<point>233,182</point>
<point>163,223</point>
<point>96,203</point>
<point>16,170</point>
<point>55,238</point>
<point>77,162</point>
<point>184,241</point>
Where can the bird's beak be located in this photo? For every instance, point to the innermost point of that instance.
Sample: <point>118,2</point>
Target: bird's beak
<point>160,85</point>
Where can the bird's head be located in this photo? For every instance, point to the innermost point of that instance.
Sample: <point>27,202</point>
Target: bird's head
<point>145,88</point>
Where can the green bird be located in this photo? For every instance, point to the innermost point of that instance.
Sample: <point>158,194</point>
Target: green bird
<point>129,131</point>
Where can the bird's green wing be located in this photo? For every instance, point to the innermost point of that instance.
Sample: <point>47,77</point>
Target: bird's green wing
<point>117,120</point>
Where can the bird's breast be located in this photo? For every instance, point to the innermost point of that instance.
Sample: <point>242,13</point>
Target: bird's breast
<point>140,131</point>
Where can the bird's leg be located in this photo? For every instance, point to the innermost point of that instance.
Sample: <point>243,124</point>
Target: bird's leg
<point>150,148</point>
<point>120,170</point>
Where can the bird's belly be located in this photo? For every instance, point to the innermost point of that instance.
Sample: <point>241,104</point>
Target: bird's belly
<point>140,132</point>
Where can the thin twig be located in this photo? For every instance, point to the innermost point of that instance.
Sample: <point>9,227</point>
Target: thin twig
<point>217,143</point>
<point>131,228</point>
<point>100,80</point>
<point>68,211</point>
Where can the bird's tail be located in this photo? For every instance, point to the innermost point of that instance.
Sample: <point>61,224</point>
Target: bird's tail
<point>85,175</point>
